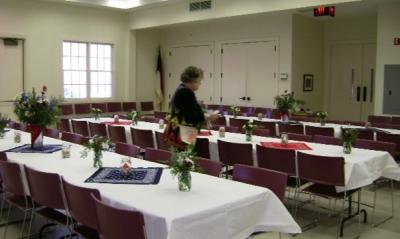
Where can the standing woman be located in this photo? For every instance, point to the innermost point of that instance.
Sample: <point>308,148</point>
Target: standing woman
<point>185,110</point>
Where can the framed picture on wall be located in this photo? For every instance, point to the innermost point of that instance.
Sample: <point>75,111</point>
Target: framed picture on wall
<point>308,82</point>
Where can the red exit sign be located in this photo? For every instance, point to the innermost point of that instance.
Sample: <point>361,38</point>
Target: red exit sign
<point>397,41</point>
<point>324,11</point>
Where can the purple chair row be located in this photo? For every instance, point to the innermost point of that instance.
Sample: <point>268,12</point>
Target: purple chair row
<point>111,107</point>
<point>384,119</point>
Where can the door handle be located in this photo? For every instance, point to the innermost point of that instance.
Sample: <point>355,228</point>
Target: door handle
<point>352,83</point>
<point>371,89</point>
<point>358,93</point>
<point>364,93</point>
<point>390,92</point>
<point>248,98</point>
<point>242,98</point>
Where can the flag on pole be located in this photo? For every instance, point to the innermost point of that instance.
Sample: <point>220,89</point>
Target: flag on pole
<point>159,84</point>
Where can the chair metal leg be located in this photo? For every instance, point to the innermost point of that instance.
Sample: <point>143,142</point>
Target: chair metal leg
<point>23,222</point>
<point>7,218</point>
<point>340,229</point>
<point>375,224</point>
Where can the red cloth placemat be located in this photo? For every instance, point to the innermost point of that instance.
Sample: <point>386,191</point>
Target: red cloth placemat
<point>204,133</point>
<point>291,146</point>
<point>119,123</point>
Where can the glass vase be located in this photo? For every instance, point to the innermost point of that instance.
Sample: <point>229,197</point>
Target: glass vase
<point>97,163</point>
<point>248,136</point>
<point>347,147</point>
<point>184,181</point>
<point>2,133</point>
<point>285,118</point>
<point>322,122</point>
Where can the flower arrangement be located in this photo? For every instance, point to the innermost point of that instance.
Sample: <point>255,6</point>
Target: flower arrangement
<point>182,163</point>
<point>248,128</point>
<point>98,144</point>
<point>234,110</point>
<point>286,103</point>
<point>96,112</point>
<point>322,115</point>
<point>349,136</point>
<point>134,116</point>
<point>4,120</point>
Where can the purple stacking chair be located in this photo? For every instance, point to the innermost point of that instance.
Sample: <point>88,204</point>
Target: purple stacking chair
<point>147,106</point>
<point>85,140</point>
<point>208,166</point>
<point>114,107</point>
<point>83,108</point>
<point>291,128</point>
<point>271,126</point>
<point>335,121</point>
<point>127,149</point>
<point>82,208</point>
<point>313,130</point>
<point>326,173</point>
<point>221,121</point>
<point>15,194</point>
<point>45,191</point>
<point>320,139</point>
<point>386,126</point>
<point>234,153</point>
<point>300,137</point>
<point>363,133</point>
<point>273,180</point>
<point>157,156</point>
<point>114,223</point>
<point>202,147</point>
<point>3,157</point>
<point>128,106</point>
<point>80,127</point>
<point>379,119</point>
<point>396,120</point>
<point>67,109</point>
<point>71,137</point>
<point>150,119</point>
<point>355,123</point>
<point>98,129</point>
<point>101,106</point>
<point>64,125</point>
<point>261,110</point>
<point>52,133</point>
<point>19,126</point>
<point>161,142</point>
<point>160,115</point>
<point>261,132</point>
<point>389,147</point>
<point>142,138</point>
<point>391,138</point>
<point>117,134</point>
<point>230,129</point>
<point>237,122</point>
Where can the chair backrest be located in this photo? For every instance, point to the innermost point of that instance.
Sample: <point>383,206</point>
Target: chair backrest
<point>386,126</point>
<point>83,108</point>
<point>142,138</point>
<point>3,156</point>
<point>313,130</point>
<point>261,110</point>
<point>114,223</point>
<point>281,160</point>
<point>80,204</point>
<point>335,121</point>
<point>379,119</point>
<point>220,121</point>
<point>320,139</point>
<point>117,134</point>
<point>365,134</point>
<point>52,133</point>
<point>291,128</point>
<point>246,110</point>
<point>128,106</point>
<point>98,129</point>
<point>300,137</point>
<point>261,132</point>
<point>321,169</point>
<point>160,115</point>
<point>235,153</point>
<point>67,109</point>
<point>19,126</point>
<point>237,122</point>
<point>273,180</point>
<point>161,142</point>
<point>232,129</point>
<point>84,140</point>
<point>11,176</point>
<point>275,114</point>
<point>396,120</point>
<point>213,107</point>
<point>149,119</point>
<point>147,106</point>
<point>202,147</point>
<point>80,127</point>
<point>208,166</point>
<point>114,106</point>
<point>101,106</point>
<point>271,126</point>
<point>127,149</point>
<point>157,155</point>
<point>392,138</point>
<point>45,188</point>
<point>71,137</point>
<point>356,123</point>
<point>64,125</point>
<point>389,147</point>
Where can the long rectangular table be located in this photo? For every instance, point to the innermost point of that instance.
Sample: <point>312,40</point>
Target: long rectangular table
<point>215,208</point>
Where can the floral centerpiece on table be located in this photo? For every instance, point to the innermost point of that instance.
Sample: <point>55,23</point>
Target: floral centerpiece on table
<point>134,116</point>
<point>234,110</point>
<point>349,136</point>
<point>248,128</point>
<point>322,115</point>
<point>96,113</point>
<point>286,103</point>
<point>97,144</point>
<point>182,163</point>
<point>4,120</point>
<point>38,112</point>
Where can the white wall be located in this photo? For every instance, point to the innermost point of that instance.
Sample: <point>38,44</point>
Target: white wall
<point>387,53</point>
<point>308,52</point>
<point>45,25</point>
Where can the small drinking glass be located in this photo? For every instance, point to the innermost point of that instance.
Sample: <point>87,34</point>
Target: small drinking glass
<point>161,124</point>
<point>125,165</point>
<point>284,139</point>
<point>116,118</point>
<point>17,137</point>
<point>66,151</point>
<point>221,132</point>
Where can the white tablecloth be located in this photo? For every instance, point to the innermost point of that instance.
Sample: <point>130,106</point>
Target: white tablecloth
<point>215,208</point>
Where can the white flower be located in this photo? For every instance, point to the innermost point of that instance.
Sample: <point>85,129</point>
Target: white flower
<point>105,146</point>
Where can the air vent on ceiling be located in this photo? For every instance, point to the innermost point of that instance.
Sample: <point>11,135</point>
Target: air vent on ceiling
<point>199,5</point>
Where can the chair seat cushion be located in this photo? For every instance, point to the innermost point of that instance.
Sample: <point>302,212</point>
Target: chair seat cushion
<point>53,215</point>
